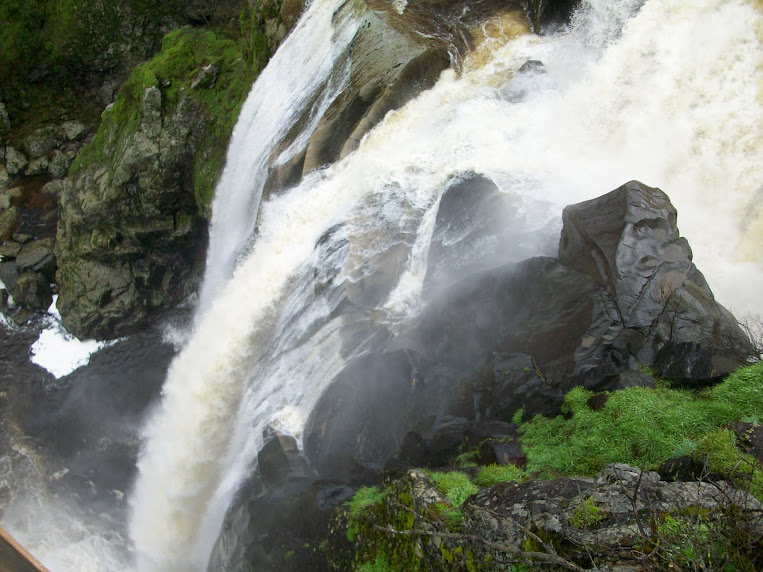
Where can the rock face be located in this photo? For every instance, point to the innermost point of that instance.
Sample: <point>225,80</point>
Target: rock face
<point>623,291</point>
<point>569,521</point>
<point>128,237</point>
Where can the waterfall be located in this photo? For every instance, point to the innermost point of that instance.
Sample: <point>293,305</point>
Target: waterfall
<point>669,96</point>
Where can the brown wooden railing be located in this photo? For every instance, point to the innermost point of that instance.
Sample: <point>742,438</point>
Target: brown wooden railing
<point>16,558</point>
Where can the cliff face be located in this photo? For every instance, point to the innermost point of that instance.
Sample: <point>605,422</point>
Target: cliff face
<point>133,207</point>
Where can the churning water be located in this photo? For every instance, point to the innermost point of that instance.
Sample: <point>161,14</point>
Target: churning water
<point>663,91</point>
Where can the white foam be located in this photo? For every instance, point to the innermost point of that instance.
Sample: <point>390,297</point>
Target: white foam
<point>57,350</point>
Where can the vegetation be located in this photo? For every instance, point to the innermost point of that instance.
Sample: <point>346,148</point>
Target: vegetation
<point>455,485</point>
<point>493,474</point>
<point>184,52</point>
<point>643,427</point>
<point>586,514</point>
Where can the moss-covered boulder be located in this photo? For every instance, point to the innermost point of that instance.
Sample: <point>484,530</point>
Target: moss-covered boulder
<point>132,214</point>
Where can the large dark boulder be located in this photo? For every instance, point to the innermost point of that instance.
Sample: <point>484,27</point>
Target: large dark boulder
<point>628,242</point>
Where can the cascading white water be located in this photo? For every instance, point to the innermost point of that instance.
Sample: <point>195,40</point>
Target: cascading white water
<point>674,102</point>
<point>302,66</point>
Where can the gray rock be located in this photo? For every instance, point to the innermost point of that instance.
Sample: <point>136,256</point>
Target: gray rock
<point>9,275</point>
<point>151,123</point>
<point>15,161</point>
<point>280,460</point>
<point>54,188</point>
<point>10,220</point>
<point>73,130</point>
<point>9,249</point>
<point>42,141</point>
<point>58,165</point>
<point>37,166</point>
<point>39,256</point>
<point>206,77</point>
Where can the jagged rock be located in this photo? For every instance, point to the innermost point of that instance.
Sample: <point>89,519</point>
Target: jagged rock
<point>518,383</point>
<point>5,122</point>
<point>15,161</point>
<point>3,297</point>
<point>549,13</point>
<point>73,130</point>
<point>22,238</point>
<point>32,290</point>
<point>59,163</point>
<point>206,78</point>
<point>628,242</point>
<point>127,243</point>
<point>8,196</point>
<point>10,220</point>
<point>42,141</point>
<point>9,275</point>
<point>9,249</point>
<point>38,256</point>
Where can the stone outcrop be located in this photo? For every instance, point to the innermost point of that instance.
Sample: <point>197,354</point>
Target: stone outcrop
<point>623,291</point>
<point>606,522</point>
<point>129,229</point>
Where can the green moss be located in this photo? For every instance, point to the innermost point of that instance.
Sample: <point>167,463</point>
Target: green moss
<point>586,514</point>
<point>363,498</point>
<point>455,485</point>
<point>493,474</point>
<point>379,564</point>
<point>639,426</point>
<point>184,52</point>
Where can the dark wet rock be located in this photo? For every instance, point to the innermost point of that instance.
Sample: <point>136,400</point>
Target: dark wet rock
<point>494,452</point>
<point>550,14</point>
<point>683,468</point>
<point>628,242</point>
<point>690,364</point>
<point>5,178</point>
<point>32,290</point>
<point>10,221</point>
<point>59,163</point>
<point>356,427</point>
<point>280,460</point>
<point>518,383</point>
<point>479,431</point>
<point>472,230</point>
<point>532,66</point>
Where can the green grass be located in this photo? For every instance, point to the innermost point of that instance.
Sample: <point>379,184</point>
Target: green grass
<point>493,474</point>
<point>639,426</point>
<point>455,485</point>
<point>363,498</point>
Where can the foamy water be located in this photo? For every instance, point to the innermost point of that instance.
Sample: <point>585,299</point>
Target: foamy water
<point>57,350</point>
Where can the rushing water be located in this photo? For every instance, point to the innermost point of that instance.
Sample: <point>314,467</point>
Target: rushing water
<point>662,91</point>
